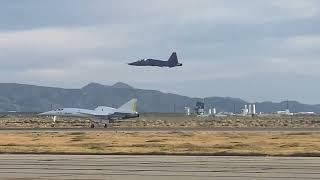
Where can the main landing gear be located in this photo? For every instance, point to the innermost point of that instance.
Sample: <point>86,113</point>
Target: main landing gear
<point>54,118</point>
<point>104,125</point>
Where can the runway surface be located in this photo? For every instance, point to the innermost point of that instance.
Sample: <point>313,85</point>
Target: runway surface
<point>96,167</point>
<point>253,129</point>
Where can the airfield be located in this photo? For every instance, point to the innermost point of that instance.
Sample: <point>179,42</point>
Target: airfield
<point>158,121</point>
<point>167,134</point>
<point>160,146</point>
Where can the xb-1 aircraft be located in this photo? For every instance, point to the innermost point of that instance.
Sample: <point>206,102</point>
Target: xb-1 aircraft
<point>100,115</point>
<point>172,62</point>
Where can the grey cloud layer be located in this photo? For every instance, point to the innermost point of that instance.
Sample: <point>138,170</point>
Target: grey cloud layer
<point>223,44</point>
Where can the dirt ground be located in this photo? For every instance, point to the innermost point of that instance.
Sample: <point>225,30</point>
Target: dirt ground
<point>183,143</point>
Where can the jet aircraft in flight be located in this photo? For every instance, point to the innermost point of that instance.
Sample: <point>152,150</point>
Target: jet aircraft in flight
<point>172,62</point>
<point>100,115</point>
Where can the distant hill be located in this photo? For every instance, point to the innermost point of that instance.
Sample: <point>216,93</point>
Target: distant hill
<point>30,98</point>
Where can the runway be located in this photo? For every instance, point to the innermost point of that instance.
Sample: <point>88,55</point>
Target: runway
<point>98,167</point>
<point>138,129</point>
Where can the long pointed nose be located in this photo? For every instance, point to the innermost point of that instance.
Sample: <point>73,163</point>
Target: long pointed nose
<point>45,113</point>
<point>42,114</point>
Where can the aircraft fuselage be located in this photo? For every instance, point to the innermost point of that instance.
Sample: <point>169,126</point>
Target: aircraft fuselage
<point>70,112</point>
<point>154,62</point>
<point>172,62</point>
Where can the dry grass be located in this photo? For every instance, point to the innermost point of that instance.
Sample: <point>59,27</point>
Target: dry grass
<point>196,143</point>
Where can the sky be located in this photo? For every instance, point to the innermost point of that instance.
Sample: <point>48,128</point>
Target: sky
<point>257,50</point>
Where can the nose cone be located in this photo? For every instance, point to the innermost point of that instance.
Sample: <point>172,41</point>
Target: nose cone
<point>42,114</point>
<point>133,63</point>
<point>45,113</point>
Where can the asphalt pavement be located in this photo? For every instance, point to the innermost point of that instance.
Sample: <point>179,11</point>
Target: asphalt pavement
<point>96,167</point>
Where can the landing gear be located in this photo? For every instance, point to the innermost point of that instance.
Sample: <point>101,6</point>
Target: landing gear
<point>54,118</point>
<point>92,126</point>
<point>105,125</point>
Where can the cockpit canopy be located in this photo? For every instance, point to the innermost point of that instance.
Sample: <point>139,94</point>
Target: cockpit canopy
<point>60,109</point>
<point>104,109</point>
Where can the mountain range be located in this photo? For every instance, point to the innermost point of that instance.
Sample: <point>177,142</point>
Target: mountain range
<point>30,98</point>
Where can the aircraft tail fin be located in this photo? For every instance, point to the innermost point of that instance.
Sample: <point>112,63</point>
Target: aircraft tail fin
<point>130,106</point>
<point>173,58</point>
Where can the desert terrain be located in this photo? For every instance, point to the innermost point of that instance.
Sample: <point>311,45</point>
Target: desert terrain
<point>176,140</point>
<point>154,120</point>
<point>168,143</point>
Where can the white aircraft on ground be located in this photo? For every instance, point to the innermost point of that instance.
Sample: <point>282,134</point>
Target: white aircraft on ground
<point>100,115</point>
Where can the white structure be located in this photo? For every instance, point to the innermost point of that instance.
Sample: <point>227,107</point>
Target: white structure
<point>245,111</point>
<point>212,112</point>
<point>254,109</point>
<point>249,110</point>
<point>188,113</point>
<point>306,113</point>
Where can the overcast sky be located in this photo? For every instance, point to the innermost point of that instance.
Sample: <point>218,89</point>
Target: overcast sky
<point>252,49</point>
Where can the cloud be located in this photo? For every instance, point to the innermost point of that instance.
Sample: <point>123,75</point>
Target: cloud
<point>59,46</point>
<point>304,42</point>
<point>222,44</point>
<point>298,8</point>
<point>62,39</point>
<point>294,66</point>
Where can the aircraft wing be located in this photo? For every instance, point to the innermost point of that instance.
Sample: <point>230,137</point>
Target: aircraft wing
<point>117,116</point>
<point>102,116</point>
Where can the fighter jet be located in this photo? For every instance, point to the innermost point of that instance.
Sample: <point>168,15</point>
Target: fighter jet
<point>100,115</point>
<point>172,62</point>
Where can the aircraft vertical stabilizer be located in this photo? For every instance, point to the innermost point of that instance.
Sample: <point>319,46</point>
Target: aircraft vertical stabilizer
<point>173,58</point>
<point>130,106</point>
